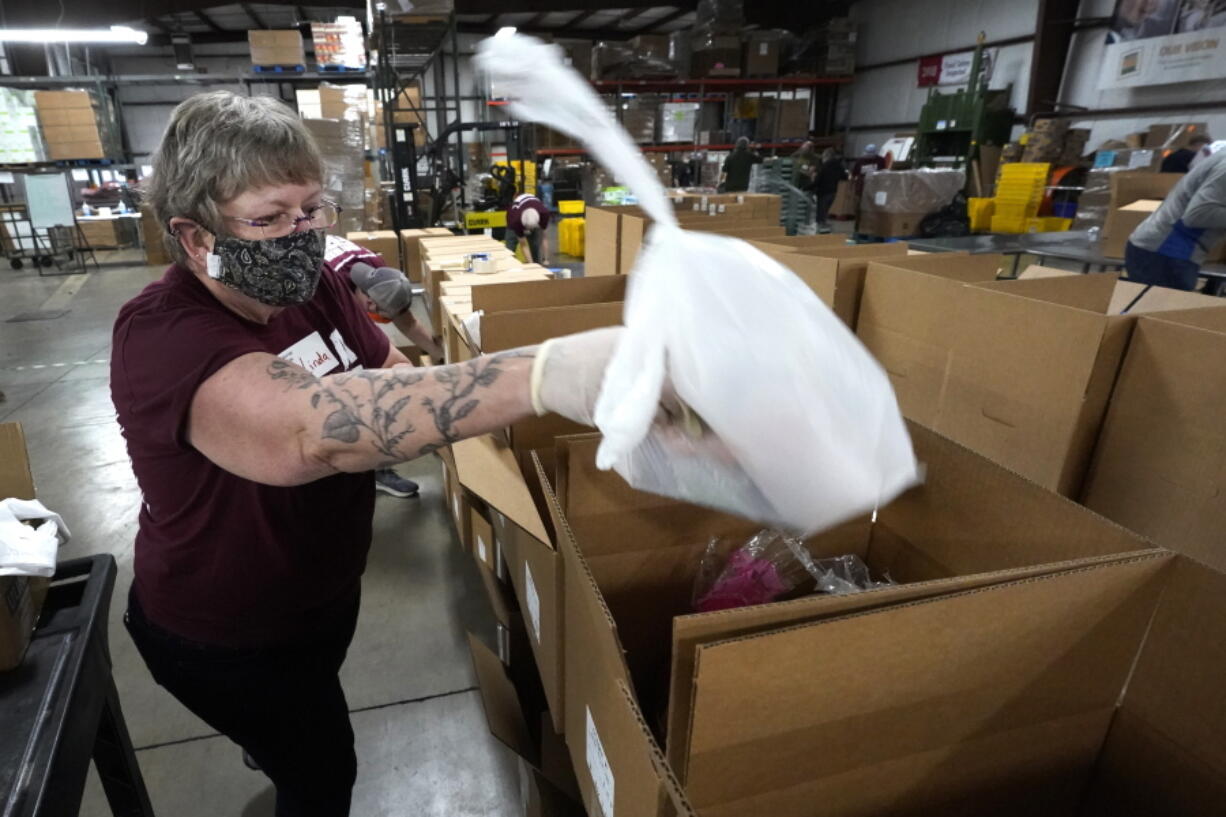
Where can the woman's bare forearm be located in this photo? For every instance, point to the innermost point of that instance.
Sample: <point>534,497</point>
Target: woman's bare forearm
<point>368,419</point>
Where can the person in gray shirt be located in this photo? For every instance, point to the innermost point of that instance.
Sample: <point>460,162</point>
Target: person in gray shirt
<point>1168,248</point>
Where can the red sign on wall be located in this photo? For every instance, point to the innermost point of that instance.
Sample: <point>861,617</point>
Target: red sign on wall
<point>929,71</point>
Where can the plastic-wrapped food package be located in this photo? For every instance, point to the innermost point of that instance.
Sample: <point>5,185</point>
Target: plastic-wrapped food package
<point>798,424</point>
<point>770,566</point>
<point>911,191</point>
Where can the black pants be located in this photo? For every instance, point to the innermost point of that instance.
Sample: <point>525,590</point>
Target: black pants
<point>824,201</point>
<point>284,705</point>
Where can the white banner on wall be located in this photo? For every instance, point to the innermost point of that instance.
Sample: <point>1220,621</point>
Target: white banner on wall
<point>1163,42</point>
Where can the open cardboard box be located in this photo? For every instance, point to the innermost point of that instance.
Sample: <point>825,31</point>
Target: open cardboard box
<point>1157,467</point>
<point>835,273</point>
<point>1018,370</point>
<point>987,682</point>
<point>21,597</point>
<point>410,249</point>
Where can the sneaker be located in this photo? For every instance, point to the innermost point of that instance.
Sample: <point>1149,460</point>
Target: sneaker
<point>391,483</point>
<point>250,763</point>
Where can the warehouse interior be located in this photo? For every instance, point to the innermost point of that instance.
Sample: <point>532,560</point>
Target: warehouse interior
<point>898,492</point>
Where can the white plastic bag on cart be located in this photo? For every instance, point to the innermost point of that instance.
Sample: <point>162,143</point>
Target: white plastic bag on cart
<point>800,426</point>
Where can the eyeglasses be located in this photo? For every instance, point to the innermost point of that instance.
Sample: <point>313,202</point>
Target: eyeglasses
<point>320,217</point>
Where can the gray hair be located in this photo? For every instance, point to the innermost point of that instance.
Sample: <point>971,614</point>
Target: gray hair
<point>219,145</point>
<point>742,143</point>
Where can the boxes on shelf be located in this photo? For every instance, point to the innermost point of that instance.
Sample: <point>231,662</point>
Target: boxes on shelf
<point>1019,371</point>
<point>72,125</point>
<point>342,101</point>
<point>1044,141</point>
<point>762,53</point>
<point>19,131</point>
<point>792,116</point>
<point>894,202</point>
<point>678,121</point>
<point>578,55</point>
<point>1059,651</point>
<point>340,43</point>
<point>652,46</point>
<point>1173,136</point>
<point>22,596</point>
<point>716,56</point>
<point>342,146</point>
<point>273,47</point>
<point>680,52</point>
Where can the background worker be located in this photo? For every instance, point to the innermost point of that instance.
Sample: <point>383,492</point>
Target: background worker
<point>385,295</point>
<point>870,162</point>
<point>1168,247</point>
<point>528,220</point>
<point>738,166</point>
<point>1180,160</point>
<point>826,186</point>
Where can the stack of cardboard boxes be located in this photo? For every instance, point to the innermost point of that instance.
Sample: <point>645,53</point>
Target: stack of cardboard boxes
<point>1077,664</point>
<point>74,125</point>
<point>277,48</point>
<point>837,48</point>
<point>19,132</point>
<point>21,597</point>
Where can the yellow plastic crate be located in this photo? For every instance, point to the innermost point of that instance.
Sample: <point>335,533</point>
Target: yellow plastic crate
<point>1008,224</point>
<point>570,207</point>
<point>1048,224</point>
<point>980,212</point>
<point>571,234</point>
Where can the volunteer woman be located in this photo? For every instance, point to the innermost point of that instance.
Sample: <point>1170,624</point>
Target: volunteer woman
<point>256,398</point>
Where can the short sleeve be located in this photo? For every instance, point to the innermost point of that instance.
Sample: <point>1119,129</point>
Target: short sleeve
<point>159,361</point>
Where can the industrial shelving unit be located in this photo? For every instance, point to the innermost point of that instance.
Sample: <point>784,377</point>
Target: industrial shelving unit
<point>718,90</point>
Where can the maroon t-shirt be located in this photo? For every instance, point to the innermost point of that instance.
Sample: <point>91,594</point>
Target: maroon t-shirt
<point>221,559</point>
<point>515,213</point>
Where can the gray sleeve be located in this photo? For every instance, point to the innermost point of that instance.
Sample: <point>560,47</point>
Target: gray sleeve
<point>1207,207</point>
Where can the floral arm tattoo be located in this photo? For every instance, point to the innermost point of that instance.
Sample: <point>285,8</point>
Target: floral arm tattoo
<point>377,407</point>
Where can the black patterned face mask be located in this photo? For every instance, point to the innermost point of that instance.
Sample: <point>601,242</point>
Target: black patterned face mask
<point>275,271</point>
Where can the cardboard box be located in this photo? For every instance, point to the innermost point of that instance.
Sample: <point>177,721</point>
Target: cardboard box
<point>793,243</point>
<point>1173,136</point>
<point>276,47</point>
<point>153,236</point>
<point>836,274</point>
<point>21,597</point>
<point>410,249</point>
<point>1034,634</point>
<point>1120,224</point>
<point>55,100</point>
<point>889,225</point>
<point>384,243</point>
<point>761,55</point>
<point>98,234</point>
<point>1157,466</point>
<point>602,241</point>
<point>792,116</point>
<point>653,46</point>
<point>1019,371</point>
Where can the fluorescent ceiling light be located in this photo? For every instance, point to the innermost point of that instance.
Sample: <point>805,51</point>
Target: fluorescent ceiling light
<point>115,34</point>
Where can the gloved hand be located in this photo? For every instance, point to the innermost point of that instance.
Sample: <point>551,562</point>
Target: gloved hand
<point>568,371</point>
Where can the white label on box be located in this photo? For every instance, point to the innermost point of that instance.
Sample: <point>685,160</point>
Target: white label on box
<point>763,49</point>
<point>483,552</point>
<point>723,208</point>
<point>80,175</point>
<point>1140,158</point>
<point>879,198</point>
<point>534,603</point>
<point>6,177</point>
<point>711,210</point>
<point>697,207</point>
<point>740,199</point>
<point>598,768</point>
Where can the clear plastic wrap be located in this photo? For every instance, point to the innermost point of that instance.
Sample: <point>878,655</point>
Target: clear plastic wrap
<point>772,565</point>
<point>799,425</point>
<point>910,191</point>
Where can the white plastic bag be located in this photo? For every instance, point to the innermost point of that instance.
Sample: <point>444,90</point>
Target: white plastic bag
<point>804,431</point>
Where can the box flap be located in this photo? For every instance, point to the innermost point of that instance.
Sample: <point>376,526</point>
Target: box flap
<point>1142,206</point>
<point>501,702</point>
<point>1007,722</point>
<point>488,468</point>
<point>1127,187</point>
<point>1212,319</point>
<point>525,327</point>
<point>1092,293</point>
<point>537,294</point>
<point>956,266</point>
<point>819,274</point>
<point>1158,465</point>
<point>856,250</point>
<point>1039,271</point>
<point>1165,754</point>
<point>496,592</point>
<point>1134,299</point>
<point>16,480</point>
<point>794,242</point>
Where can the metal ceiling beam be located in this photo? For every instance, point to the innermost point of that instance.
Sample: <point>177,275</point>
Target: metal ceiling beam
<point>88,13</point>
<point>206,20</point>
<point>655,25</point>
<point>154,24</point>
<point>580,17</point>
<point>250,12</point>
<point>535,21</point>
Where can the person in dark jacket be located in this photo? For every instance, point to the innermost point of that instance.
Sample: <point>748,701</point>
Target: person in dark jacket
<point>738,166</point>
<point>1180,160</point>
<point>826,186</point>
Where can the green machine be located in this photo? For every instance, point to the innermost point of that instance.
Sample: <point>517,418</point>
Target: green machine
<point>953,126</point>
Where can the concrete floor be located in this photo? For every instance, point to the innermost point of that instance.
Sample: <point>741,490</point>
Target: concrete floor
<point>422,740</point>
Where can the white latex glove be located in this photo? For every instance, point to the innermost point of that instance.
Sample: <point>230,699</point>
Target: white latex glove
<point>567,373</point>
